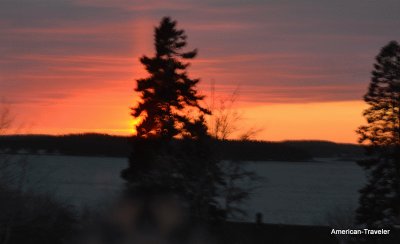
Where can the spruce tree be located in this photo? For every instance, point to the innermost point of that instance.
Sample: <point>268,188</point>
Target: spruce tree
<point>379,203</point>
<point>172,151</point>
<point>168,92</point>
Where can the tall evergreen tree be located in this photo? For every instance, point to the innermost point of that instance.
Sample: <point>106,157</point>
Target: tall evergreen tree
<point>380,198</point>
<point>168,92</point>
<point>171,151</point>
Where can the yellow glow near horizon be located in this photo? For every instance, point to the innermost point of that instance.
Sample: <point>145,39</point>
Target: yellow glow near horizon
<point>334,121</point>
<point>133,122</point>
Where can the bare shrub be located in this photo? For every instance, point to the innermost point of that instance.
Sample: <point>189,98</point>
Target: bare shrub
<point>226,122</point>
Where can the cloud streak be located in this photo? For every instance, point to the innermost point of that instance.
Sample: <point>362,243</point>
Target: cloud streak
<point>278,51</point>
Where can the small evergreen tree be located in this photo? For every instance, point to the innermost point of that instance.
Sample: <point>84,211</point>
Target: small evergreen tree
<point>172,150</point>
<point>380,198</point>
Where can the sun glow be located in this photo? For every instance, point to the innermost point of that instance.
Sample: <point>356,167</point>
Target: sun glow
<point>101,103</point>
<point>133,123</point>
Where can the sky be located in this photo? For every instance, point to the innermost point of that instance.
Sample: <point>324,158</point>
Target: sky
<point>302,66</point>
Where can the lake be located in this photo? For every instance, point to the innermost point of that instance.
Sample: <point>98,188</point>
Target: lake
<point>289,192</point>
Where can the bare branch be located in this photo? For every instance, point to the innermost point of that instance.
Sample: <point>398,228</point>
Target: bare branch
<point>226,120</point>
<point>6,118</point>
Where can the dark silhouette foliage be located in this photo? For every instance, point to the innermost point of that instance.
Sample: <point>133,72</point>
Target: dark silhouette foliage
<point>118,146</point>
<point>172,151</point>
<point>33,218</point>
<point>73,145</point>
<point>325,149</point>
<point>380,198</point>
<point>168,93</point>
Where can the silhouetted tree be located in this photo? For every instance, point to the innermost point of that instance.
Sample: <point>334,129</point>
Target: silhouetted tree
<point>168,93</point>
<point>380,198</point>
<point>170,109</point>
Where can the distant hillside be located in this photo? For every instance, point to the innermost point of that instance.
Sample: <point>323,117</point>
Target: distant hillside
<point>325,149</point>
<point>75,144</point>
<point>118,146</point>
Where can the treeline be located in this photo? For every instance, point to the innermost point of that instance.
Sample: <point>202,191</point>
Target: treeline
<point>326,149</point>
<point>75,144</point>
<point>119,146</point>
<point>261,151</point>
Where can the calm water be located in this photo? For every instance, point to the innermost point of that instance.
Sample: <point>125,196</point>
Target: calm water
<point>290,192</point>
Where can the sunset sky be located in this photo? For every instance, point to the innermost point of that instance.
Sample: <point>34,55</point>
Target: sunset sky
<point>69,66</point>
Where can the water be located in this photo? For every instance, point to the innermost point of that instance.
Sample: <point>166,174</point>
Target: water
<point>289,192</point>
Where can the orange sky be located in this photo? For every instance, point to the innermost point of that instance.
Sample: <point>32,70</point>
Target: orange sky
<point>70,66</point>
<point>335,121</point>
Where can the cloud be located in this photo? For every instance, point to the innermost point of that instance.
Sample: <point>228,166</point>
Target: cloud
<point>277,50</point>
